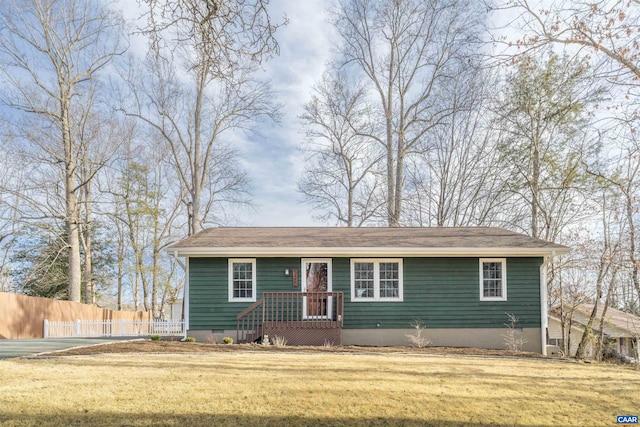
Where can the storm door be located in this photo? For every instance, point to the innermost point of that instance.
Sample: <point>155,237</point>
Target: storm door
<point>316,277</point>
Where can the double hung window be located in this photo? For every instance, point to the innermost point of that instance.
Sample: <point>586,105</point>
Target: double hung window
<point>242,280</point>
<point>376,280</point>
<point>493,279</point>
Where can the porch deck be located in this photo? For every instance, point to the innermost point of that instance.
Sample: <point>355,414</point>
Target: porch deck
<point>302,318</point>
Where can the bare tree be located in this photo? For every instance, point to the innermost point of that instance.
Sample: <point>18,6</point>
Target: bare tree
<point>458,181</point>
<point>619,171</point>
<point>9,215</point>
<point>221,35</point>
<point>218,44</point>
<point>144,205</point>
<point>607,36</point>
<point>406,49</point>
<point>100,133</point>
<point>49,51</point>
<point>572,279</point>
<point>607,32</point>
<point>341,177</point>
<point>607,266</point>
<point>205,166</point>
<point>543,116</point>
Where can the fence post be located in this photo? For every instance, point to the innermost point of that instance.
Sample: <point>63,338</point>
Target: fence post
<point>77,328</point>
<point>123,326</point>
<point>46,328</point>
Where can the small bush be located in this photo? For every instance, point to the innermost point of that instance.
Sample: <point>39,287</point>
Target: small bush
<point>279,341</point>
<point>212,339</point>
<point>513,339</point>
<point>327,344</point>
<point>190,339</point>
<point>417,339</point>
<point>227,340</point>
<point>155,337</point>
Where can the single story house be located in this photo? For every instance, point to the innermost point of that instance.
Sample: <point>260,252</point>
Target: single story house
<point>366,286</point>
<point>621,330</point>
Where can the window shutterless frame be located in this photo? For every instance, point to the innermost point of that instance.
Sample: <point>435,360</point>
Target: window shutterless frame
<point>377,280</point>
<point>233,280</point>
<point>494,285</point>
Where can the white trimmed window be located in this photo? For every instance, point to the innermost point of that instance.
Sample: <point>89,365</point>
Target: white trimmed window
<point>242,280</point>
<point>493,279</point>
<point>376,280</point>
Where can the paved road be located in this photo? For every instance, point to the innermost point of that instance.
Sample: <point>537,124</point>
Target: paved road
<point>29,347</point>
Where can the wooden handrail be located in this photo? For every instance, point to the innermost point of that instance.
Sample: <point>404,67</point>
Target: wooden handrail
<point>249,309</point>
<point>249,322</point>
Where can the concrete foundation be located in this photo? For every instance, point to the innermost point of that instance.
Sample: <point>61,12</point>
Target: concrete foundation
<point>490,338</point>
<point>209,335</point>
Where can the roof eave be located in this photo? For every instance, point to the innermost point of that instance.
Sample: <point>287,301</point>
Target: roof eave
<point>364,252</point>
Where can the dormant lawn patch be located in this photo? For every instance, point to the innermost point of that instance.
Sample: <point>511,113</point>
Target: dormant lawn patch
<point>312,388</point>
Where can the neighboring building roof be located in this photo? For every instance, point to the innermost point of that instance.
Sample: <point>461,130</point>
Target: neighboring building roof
<point>363,241</point>
<point>616,322</point>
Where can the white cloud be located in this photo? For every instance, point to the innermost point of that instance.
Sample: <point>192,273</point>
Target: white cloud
<point>273,158</point>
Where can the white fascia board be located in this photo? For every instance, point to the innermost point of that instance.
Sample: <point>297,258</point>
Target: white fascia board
<point>366,252</point>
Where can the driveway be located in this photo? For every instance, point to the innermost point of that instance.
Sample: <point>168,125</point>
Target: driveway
<point>30,347</point>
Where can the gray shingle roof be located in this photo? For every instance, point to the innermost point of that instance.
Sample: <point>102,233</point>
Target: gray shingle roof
<point>413,240</point>
<point>614,317</point>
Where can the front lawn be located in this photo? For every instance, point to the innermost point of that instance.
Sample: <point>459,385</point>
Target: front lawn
<point>312,388</point>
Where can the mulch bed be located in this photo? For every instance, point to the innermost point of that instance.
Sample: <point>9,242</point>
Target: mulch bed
<point>146,346</point>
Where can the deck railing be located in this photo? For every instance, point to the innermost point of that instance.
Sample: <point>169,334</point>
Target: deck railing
<point>291,310</point>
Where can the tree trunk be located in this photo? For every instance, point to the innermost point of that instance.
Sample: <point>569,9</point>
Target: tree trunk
<point>602,272</point>
<point>588,332</point>
<point>391,215</point>
<point>600,344</point>
<point>197,171</point>
<point>154,283</point>
<point>120,267</point>
<point>535,189</point>
<point>388,104</point>
<point>156,257</point>
<point>89,291</point>
<point>136,292</point>
<point>350,198</point>
<point>143,280</point>
<point>72,215</point>
<point>75,272</point>
<point>399,178</point>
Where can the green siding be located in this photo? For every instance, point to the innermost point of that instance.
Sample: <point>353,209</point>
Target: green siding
<point>442,292</point>
<point>209,306</point>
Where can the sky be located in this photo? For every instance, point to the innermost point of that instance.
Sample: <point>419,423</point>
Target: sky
<point>272,157</point>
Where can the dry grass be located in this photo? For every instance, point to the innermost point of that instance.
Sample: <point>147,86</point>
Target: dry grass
<point>312,388</point>
<point>146,346</point>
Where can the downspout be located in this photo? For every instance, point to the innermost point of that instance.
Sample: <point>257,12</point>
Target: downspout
<point>185,292</point>
<point>544,316</point>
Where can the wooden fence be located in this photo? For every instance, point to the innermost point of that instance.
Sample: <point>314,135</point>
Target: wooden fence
<point>23,317</point>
